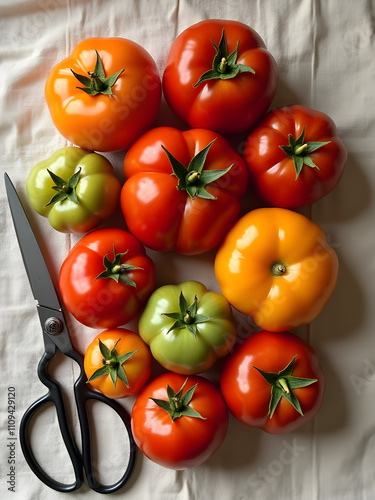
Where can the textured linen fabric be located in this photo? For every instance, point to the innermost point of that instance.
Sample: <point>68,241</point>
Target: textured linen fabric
<point>325,54</point>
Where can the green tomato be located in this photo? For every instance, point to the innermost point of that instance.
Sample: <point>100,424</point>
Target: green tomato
<point>187,327</point>
<point>76,189</point>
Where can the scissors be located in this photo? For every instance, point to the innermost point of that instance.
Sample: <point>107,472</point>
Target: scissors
<point>56,337</point>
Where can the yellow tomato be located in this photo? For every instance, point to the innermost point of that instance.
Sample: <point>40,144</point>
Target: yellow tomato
<point>276,266</point>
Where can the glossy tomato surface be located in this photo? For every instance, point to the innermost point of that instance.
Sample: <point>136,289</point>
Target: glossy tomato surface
<point>186,441</point>
<point>273,173</point>
<point>226,105</point>
<point>203,333</point>
<point>104,122</point>
<point>165,218</point>
<point>96,192</point>
<point>248,394</point>
<point>137,368</point>
<point>276,266</point>
<point>106,302</point>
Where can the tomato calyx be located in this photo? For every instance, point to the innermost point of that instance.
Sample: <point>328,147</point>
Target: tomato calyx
<point>112,364</point>
<point>193,179</point>
<point>97,83</point>
<point>299,151</point>
<point>282,384</point>
<point>116,270</point>
<point>178,404</point>
<point>224,66</point>
<point>65,189</point>
<point>187,317</point>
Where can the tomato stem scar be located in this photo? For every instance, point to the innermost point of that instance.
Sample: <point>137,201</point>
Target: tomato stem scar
<point>278,269</point>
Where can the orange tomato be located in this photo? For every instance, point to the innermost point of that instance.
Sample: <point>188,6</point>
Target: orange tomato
<point>96,112</point>
<point>137,366</point>
<point>276,266</point>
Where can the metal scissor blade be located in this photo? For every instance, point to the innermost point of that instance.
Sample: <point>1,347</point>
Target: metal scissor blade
<point>39,277</point>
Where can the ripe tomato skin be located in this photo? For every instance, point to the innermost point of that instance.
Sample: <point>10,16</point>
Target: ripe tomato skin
<point>103,303</point>
<point>248,395</point>
<point>165,218</point>
<point>187,441</point>
<point>105,122</point>
<point>262,239</point>
<point>137,367</point>
<point>272,172</point>
<point>227,106</point>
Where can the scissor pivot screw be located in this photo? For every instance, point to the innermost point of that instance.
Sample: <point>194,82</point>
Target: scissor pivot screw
<point>53,326</point>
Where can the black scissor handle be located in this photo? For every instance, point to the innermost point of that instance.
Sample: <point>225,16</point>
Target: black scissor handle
<point>83,393</point>
<point>53,396</point>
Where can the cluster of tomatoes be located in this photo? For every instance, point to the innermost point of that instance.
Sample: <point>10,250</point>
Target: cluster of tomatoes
<point>182,193</point>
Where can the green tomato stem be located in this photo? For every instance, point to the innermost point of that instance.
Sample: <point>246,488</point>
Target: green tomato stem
<point>300,149</point>
<point>193,177</point>
<point>284,385</point>
<point>223,65</point>
<point>117,271</point>
<point>188,318</point>
<point>97,82</point>
<point>113,361</point>
<point>177,403</point>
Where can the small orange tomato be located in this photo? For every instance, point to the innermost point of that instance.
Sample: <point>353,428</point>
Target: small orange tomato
<point>105,94</point>
<point>276,266</point>
<point>117,363</point>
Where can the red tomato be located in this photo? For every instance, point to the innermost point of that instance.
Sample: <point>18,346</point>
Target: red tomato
<point>105,94</point>
<point>294,156</point>
<point>166,212</point>
<point>286,359</point>
<point>242,76</point>
<point>197,429</point>
<point>117,363</point>
<point>106,278</point>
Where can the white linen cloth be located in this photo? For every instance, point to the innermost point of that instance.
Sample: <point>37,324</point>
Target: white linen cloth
<point>325,54</point>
